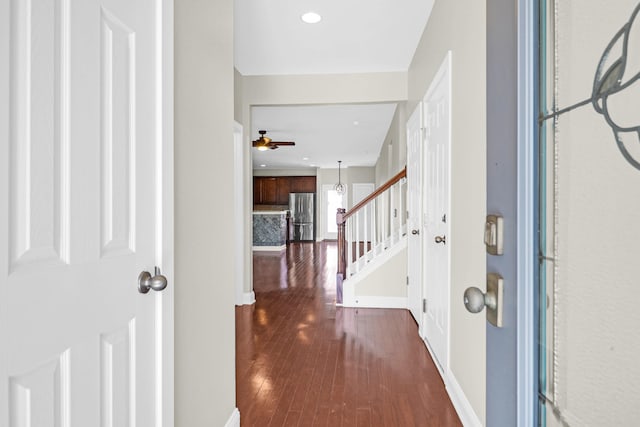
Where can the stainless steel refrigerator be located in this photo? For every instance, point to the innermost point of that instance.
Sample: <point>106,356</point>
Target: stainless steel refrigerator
<point>302,210</point>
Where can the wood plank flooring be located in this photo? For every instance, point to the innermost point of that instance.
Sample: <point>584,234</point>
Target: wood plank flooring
<point>302,361</point>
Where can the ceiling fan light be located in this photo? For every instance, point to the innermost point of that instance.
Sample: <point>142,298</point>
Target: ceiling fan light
<point>262,147</point>
<point>311,18</point>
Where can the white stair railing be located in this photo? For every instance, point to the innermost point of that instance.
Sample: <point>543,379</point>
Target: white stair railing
<point>369,228</point>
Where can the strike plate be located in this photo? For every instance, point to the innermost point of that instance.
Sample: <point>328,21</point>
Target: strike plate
<point>495,286</point>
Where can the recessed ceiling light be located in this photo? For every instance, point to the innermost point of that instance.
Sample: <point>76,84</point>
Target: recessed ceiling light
<point>263,166</point>
<point>305,158</point>
<point>356,123</point>
<point>311,18</point>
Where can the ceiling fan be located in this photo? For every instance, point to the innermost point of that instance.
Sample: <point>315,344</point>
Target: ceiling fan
<point>265,143</point>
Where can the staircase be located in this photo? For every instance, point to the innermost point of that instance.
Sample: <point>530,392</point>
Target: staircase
<point>371,235</point>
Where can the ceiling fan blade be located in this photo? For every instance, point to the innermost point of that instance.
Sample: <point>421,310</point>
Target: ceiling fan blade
<point>264,142</point>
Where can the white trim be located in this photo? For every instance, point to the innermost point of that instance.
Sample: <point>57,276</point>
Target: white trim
<point>527,322</point>
<point>463,407</point>
<point>234,419</point>
<point>238,186</point>
<point>165,403</point>
<point>461,404</point>
<point>248,298</point>
<point>349,298</point>
<point>384,254</point>
<point>269,248</point>
<point>374,302</point>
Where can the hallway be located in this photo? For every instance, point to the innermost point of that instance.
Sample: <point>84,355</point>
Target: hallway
<point>300,361</point>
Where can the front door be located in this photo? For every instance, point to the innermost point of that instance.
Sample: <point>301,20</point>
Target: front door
<point>414,206</point>
<point>84,209</point>
<point>437,121</point>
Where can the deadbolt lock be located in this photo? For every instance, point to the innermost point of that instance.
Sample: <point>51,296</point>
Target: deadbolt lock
<point>493,234</point>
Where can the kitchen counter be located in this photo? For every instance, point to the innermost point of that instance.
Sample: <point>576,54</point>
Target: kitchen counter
<point>269,230</point>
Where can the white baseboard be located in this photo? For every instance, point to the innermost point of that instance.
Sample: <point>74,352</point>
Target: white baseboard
<point>385,254</point>
<point>349,298</point>
<point>269,248</point>
<point>234,419</point>
<point>248,298</point>
<point>460,402</point>
<point>374,302</point>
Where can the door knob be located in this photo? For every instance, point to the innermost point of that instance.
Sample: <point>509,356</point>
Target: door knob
<point>475,300</point>
<point>415,231</point>
<point>441,239</point>
<point>145,281</point>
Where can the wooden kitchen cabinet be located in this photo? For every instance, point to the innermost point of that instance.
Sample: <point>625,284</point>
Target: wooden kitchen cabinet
<point>303,184</point>
<point>274,190</point>
<point>283,184</point>
<point>265,191</point>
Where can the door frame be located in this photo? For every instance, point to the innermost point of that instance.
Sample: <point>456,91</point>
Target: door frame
<point>238,186</point>
<point>517,22</point>
<point>165,255</point>
<point>527,218</point>
<point>416,283</point>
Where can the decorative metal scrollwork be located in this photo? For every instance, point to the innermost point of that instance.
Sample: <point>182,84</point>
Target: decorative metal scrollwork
<point>616,88</point>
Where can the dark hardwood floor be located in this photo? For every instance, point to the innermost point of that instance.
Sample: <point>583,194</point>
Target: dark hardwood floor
<point>302,361</point>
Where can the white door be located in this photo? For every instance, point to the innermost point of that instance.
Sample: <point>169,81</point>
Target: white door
<point>85,206</point>
<point>415,141</point>
<point>437,119</point>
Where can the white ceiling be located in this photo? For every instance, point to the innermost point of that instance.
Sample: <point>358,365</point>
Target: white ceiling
<point>354,36</point>
<point>323,134</point>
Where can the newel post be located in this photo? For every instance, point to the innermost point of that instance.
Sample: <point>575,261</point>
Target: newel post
<point>342,254</point>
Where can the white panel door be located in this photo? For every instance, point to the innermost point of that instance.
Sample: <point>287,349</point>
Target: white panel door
<point>415,140</point>
<point>437,119</point>
<point>84,208</point>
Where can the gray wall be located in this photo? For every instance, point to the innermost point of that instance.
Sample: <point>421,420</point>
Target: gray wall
<point>396,138</point>
<point>204,294</point>
<point>459,26</point>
